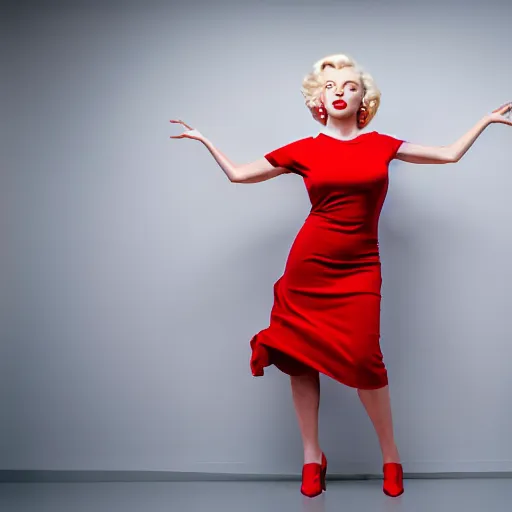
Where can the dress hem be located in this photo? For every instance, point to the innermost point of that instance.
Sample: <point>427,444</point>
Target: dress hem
<point>264,355</point>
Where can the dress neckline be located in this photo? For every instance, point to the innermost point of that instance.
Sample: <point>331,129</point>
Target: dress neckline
<point>346,141</point>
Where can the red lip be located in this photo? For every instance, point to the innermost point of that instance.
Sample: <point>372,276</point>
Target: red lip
<point>339,104</point>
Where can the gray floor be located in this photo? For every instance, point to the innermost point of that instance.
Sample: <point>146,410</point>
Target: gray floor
<point>471,495</point>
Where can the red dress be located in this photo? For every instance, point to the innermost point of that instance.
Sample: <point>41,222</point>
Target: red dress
<point>326,312</point>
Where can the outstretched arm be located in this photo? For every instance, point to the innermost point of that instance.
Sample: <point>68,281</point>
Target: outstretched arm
<point>254,172</point>
<point>418,154</point>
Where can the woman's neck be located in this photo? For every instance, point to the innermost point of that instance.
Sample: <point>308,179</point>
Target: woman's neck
<point>344,129</point>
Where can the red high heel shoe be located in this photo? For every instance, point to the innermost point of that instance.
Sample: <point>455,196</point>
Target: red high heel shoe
<point>313,478</point>
<point>393,479</point>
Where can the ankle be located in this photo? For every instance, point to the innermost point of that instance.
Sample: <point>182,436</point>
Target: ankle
<point>391,455</point>
<point>313,454</point>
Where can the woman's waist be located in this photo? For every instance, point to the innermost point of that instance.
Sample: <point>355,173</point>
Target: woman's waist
<point>336,246</point>
<point>366,225</point>
<point>341,233</point>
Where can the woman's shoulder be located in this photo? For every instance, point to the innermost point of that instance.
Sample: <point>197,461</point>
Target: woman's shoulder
<point>388,136</point>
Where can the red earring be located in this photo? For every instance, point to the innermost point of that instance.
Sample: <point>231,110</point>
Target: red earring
<point>322,113</point>
<point>362,117</point>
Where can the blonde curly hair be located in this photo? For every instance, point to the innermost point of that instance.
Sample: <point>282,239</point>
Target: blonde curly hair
<point>313,83</point>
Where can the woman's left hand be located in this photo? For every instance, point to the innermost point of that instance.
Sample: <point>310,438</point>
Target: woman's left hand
<point>500,115</point>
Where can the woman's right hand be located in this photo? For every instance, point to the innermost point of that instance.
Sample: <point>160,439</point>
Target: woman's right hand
<point>189,134</point>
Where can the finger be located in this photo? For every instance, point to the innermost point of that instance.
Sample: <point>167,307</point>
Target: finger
<point>177,137</point>
<point>504,108</point>
<point>179,121</point>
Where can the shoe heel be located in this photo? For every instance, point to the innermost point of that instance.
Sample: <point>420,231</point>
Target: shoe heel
<point>324,487</point>
<point>324,473</point>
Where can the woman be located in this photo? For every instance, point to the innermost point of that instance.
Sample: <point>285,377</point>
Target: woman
<point>326,312</point>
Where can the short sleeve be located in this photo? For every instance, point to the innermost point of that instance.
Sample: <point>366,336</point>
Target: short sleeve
<point>391,145</point>
<point>290,156</point>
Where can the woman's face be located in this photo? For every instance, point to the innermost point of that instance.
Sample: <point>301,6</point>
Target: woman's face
<point>342,92</point>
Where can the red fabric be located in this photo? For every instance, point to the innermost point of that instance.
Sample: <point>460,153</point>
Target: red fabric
<point>393,479</point>
<point>313,478</point>
<point>326,312</point>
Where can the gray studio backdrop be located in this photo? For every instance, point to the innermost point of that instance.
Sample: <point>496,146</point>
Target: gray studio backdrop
<point>135,273</point>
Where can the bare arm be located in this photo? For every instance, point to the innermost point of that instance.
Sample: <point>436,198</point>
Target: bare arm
<point>418,154</point>
<point>254,172</point>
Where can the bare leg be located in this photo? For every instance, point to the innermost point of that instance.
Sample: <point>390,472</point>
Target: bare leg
<point>377,403</point>
<point>306,398</point>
